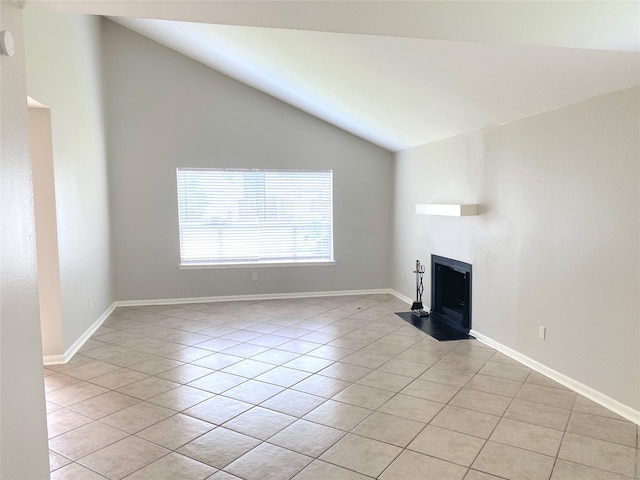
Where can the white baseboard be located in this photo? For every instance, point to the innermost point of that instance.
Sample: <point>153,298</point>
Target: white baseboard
<point>71,351</point>
<point>578,387</point>
<point>402,297</point>
<point>254,297</point>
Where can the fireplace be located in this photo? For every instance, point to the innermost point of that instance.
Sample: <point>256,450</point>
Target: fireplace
<point>450,317</point>
<point>451,292</point>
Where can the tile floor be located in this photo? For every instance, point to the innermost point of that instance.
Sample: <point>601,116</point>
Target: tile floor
<point>332,388</point>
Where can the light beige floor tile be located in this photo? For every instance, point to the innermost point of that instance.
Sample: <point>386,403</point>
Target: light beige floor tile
<point>283,376</point>
<point>218,410</point>
<point>338,415</point>
<point>217,361</point>
<point>564,470</point>
<point>604,428</point>
<point>293,402</point>
<point>74,471</point>
<point>319,470</point>
<point>495,385</point>
<point>188,354</point>
<point>585,405</point>
<point>415,465</point>
<point>364,455</point>
<point>147,388</point>
<point>217,382</point>
<point>476,475</point>
<point>330,353</point>
<point>385,380</point>
<point>438,392</point>
<point>259,423</point>
<point>105,404</point>
<point>268,340</point>
<point>306,437</point>
<point>529,437</point>
<point>547,396</point>
<point>388,350</point>
<point>308,364</point>
<point>607,456</point>
<point>275,357</point>
<point>173,467</point>
<point>52,407</point>
<point>512,372</point>
<point>241,335</point>
<point>245,350</point>
<point>75,393</point>
<point>155,366</point>
<point>358,333</point>
<point>248,368</point>
<point>539,379</point>
<point>220,475</point>
<point>217,344</point>
<point>57,461</point>
<point>412,408</point>
<point>367,360</point>
<point>185,373</point>
<point>86,439</point>
<point>446,376</point>
<point>447,445</point>
<point>481,401</point>
<point>320,385</point>
<point>175,431</point>
<point>345,371</point>
<point>364,396</point>
<point>91,370</point>
<point>219,447</point>
<point>181,398</point>
<point>403,367</point>
<point>124,457</point>
<point>389,428</point>
<point>119,378</point>
<point>298,346</point>
<point>253,391</point>
<point>129,358</point>
<point>513,463</point>
<point>103,352</point>
<point>63,420</point>
<point>466,421</point>
<point>538,414</point>
<point>137,417</point>
<point>268,462</point>
<point>291,332</point>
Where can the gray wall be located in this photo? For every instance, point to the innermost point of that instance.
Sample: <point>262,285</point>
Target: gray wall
<point>64,73</point>
<point>23,429</point>
<point>166,111</point>
<point>556,243</point>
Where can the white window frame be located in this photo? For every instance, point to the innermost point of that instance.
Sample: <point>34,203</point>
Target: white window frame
<point>262,198</point>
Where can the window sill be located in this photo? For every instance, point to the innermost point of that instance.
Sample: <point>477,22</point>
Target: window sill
<point>206,266</point>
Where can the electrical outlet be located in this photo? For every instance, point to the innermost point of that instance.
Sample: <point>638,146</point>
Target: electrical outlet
<point>255,276</point>
<point>403,276</point>
<point>89,303</point>
<point>542,332</point>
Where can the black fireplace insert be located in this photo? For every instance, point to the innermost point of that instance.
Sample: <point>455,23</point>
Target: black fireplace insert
<point>451,292</point>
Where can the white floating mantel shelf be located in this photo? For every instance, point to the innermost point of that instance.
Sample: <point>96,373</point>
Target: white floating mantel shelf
<point>450,210</point>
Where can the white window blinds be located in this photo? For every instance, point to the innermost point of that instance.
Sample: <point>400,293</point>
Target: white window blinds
<point>254,216</point>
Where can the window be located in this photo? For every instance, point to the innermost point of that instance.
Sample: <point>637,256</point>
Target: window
<point>232,216</point>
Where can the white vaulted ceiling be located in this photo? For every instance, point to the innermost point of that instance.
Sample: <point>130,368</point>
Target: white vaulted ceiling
<point>401,73</point>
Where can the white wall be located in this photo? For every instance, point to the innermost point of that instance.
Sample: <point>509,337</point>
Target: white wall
<point>556,243</point>
<point>23,429</point>
<point>165,111</point>
<point>64,73</point>
<point>44,206</point>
